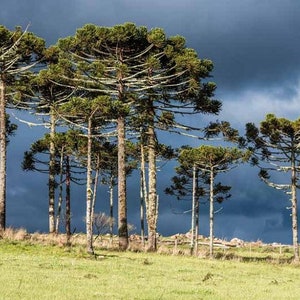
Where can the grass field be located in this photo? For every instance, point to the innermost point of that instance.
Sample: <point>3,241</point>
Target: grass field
<point>37,271</point>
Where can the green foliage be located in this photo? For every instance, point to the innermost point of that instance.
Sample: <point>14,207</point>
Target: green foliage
<point>189,61</point>
<point>181,186</point>
<point>19,52</point>
<point>273,132</point>
<point>28,161</point>
<point>5,35</point>
<point>277,129</point>
<point>206,157</point>
<point>70,143</point>
<point>177,42</point>
<point>156,37</point>
<point>25,45</point>
<point>223,128</point>
<point>276,139</point>
<point>85,108</point>
<point>137,66</point>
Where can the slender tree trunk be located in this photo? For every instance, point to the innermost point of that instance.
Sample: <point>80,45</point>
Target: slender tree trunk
<point>122,201</point>
<point>2,155</point>
<point>211,214</point>
<point>294,210</point>
<point>111,208</point>
<point>143,194</point>
<point>89,193</point>
<point>152,197</point>
<point>60,198</point>
<point>197,214</point>
<point>68,199</point>
<point>51,183</point>
<point>193,212</point>
<point>96,181</point>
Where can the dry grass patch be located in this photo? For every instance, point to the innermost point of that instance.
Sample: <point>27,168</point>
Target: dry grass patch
<point>248,252</point>
<point>14,234</point>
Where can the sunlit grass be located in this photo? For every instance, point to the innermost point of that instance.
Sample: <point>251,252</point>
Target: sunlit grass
<point>36,271</point>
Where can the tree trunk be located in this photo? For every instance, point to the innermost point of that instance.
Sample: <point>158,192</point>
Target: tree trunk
<point>143,194</point>
<point>111,208</point>
<point>122,201</point>
<point>152,197</point>
<point>193,212</point>
<point>96,181</point>
<point>60,198</point>
<point>197,214</point>
<point>68,199</point>
<point>211,214</point>
<point>294,210</point>
<point>122,194</point>
<point>51,182</point>
<point>2,155</point>
<point>89,193</point>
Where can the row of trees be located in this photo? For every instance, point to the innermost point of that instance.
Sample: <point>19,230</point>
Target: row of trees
<point>105,94</point>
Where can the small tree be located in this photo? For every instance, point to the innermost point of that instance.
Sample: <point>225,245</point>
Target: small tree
<point>91,114</point>
<point>49,97</point>
<point>192,183</point>
<point>66,145</point>
<point>275,149</point>
<point>212,161</point>
<point>102,223</point>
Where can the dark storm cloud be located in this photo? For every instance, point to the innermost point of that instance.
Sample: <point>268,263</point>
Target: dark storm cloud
<point>250,42</point>
<point>253,42</point>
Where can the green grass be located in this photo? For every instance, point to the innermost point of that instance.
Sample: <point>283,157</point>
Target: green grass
<point>50,272</point>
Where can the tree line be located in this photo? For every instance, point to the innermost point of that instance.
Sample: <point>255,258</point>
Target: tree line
<point>105,94</point>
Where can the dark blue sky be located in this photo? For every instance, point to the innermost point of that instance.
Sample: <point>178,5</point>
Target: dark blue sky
<point>254,45</point>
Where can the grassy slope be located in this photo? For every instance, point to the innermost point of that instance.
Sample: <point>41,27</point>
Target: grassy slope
<point>50,272</point>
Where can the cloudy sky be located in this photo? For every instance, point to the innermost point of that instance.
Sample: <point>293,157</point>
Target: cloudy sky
<point>254,45</point>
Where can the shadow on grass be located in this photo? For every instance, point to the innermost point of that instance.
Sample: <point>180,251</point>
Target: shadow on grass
<point>267,259</point>
<point>253,258</point>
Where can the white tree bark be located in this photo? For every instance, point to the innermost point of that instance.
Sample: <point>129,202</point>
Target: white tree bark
<point>2,156</point>
<point>193,231</point>
<point>211,214</point>
<point>51,180</point>
<point>294,210</point>
<point>152,197</point>
<point>89,193</point>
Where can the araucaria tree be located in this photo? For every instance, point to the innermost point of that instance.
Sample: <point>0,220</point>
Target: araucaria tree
<point>66,146</point>
<point>49,96</point>
<point>148,75</point>
<point>191,183</point>
<point>275,148</point>
<point>19,50</point>
<point>91,114</point>
<point>212,160</point>
<point>174,88</point>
